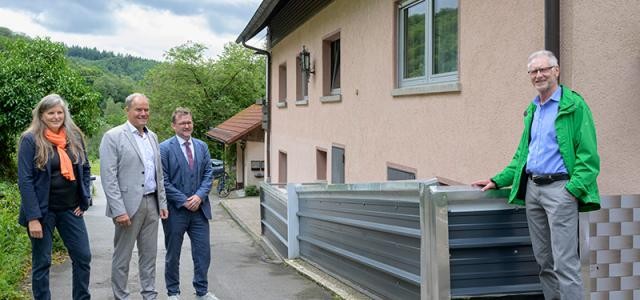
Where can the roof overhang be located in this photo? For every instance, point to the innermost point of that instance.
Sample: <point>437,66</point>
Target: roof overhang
<point>238,126</point>
<point>259,20</point>
<point>281,16</point>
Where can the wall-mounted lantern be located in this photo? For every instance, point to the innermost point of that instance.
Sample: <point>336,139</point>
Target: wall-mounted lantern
<point>305,62</point>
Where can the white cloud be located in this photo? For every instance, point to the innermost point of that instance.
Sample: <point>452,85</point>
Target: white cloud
<point>140,31</point>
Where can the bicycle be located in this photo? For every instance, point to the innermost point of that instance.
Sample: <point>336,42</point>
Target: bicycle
<point>223,186</point>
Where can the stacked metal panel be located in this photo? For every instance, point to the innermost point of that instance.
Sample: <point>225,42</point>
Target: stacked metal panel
<point>490,253</point>
<point>366,234</point>
<point>274,218</point>
<point>475,244</point>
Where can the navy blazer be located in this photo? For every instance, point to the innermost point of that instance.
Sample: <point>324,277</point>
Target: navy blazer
<point>34,183</point>
<point>175,168</point>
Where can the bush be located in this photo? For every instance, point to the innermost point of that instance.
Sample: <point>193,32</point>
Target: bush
<point>15,247</point>
<point>251,191</point>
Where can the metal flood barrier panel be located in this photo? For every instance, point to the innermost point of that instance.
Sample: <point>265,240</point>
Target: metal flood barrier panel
<point>475,244</point>
<point>410,239</point>
<point>365,234</point>
<point>274,218</point>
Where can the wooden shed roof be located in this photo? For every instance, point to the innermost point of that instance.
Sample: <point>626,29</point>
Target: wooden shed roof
<point>237,126</point>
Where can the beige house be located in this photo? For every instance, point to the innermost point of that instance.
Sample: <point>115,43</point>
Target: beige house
<point>388,96</point>
<point>245,131</point>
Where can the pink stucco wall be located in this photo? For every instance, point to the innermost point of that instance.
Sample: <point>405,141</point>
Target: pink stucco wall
<point>468,134</point>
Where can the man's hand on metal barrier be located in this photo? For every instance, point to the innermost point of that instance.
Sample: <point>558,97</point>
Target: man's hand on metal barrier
<point>486,184</point>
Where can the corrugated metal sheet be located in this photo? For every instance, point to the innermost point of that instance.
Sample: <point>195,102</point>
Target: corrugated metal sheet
<point>490,253</point>
<point>475,244</point>
<point>367,234</point>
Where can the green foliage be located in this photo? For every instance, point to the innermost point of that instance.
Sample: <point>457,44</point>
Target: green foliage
<point>29,70</point>
<point>229,158</point>
<point>213,89</point>
<point>89,53</point>
<point>14,244</point>
<point>116,64</point>
<point>115,88</point>
<point>113,115</point>
<point>15,247</point>
<point>110,86</point>
<point>251,191</point>
<point>4,31</point>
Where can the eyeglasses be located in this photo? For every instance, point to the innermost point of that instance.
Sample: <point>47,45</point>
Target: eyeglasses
<point>541,70</point>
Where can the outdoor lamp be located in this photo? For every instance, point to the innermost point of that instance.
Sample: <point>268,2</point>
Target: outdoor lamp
<point>305,61</point>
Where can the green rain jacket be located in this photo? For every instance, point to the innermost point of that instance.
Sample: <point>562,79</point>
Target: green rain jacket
<point>576,137</point>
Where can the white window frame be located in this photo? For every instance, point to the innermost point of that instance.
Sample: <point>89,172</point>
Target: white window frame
<point>428,78</point>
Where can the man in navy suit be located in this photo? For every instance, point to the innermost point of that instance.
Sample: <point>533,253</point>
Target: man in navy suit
<point>188,173</point>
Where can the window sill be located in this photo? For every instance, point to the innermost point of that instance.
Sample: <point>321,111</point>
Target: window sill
<point>431,88</point>
<point>281,104</point>
<point>302,102</point>
<point>331,99</point>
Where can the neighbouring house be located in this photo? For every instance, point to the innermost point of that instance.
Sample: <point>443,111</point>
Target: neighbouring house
<point>415,89</point>
<point>244,129</point>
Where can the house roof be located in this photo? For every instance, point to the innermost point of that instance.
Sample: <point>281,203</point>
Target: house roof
<point>237,126</point>
<point>281,16</point>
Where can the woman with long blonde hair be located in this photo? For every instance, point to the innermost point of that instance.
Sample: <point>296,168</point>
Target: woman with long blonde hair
<point>54,178</point>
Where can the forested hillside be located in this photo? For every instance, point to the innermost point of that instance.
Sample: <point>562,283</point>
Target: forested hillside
<point>118,64</point>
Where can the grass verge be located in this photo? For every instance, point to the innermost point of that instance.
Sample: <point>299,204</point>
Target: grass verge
<point>15,247</point>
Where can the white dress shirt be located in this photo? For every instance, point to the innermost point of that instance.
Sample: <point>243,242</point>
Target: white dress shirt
<point>148,158</point>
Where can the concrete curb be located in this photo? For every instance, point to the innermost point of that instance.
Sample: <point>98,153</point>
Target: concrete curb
<point>327,281</point>
<point>308,270</point>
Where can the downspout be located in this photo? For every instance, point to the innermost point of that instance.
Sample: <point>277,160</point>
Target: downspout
<point>552,26</point>
<point>267,103</point>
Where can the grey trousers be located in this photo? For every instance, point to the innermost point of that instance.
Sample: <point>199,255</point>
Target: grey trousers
<point>552,214</point>
<point>144,231</point>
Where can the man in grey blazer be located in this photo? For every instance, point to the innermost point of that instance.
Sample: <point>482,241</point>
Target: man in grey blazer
<point>132,179</point>
<point>187,172</point>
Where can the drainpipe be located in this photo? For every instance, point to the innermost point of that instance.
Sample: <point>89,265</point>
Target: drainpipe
<point>267,102</point>
<point>552,26</point>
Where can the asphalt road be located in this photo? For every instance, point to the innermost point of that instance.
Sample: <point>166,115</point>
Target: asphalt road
<point>240,269</point>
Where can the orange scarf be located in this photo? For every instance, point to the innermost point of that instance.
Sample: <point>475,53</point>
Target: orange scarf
<point>60,141</point>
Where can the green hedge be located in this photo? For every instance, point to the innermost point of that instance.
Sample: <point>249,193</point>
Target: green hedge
<point>15,248</point>
<point>251,191</point>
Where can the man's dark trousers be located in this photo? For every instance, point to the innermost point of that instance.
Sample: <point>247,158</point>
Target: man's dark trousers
<point>197,227</point>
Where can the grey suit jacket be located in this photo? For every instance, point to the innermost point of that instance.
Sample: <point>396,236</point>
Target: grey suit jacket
<point>122,172</point>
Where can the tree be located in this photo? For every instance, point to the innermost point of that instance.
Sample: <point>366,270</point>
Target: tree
<point>29,70</point>
<point>113,115</point>
<point>113,87</point>
<point>213,89</point>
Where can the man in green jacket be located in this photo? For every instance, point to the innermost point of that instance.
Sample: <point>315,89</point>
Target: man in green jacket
<point>553,173</point>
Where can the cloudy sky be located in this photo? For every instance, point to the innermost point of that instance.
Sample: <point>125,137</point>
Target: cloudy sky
<point>145,28</point>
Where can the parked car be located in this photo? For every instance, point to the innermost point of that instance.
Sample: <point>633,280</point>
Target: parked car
<point>218,167</point>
